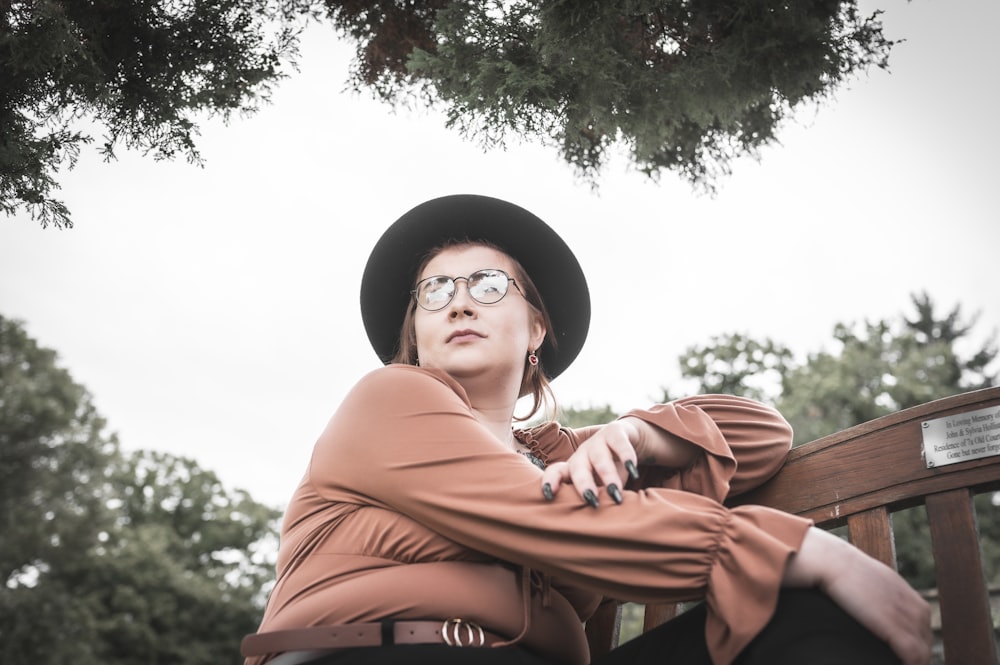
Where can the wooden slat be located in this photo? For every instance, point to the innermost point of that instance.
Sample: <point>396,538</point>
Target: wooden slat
<point>879,463</point>
<point>657,613</point>
<point>966,624</point>
<point>871,532</point>
<point>602,629</point>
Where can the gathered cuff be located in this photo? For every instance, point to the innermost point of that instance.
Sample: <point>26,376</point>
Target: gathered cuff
<point>743,593</point>
<point>710,474</point>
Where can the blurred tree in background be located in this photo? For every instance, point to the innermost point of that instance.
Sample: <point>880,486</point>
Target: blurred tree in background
<point>874,369</point>
<point>735,364</point>
<point>583,417</point>
<point>56,468</point>
<point>143,71</point>
<point>112,557</point>
<point>684,87</point>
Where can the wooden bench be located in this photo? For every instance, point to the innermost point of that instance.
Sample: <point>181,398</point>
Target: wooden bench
<point>857,478</point>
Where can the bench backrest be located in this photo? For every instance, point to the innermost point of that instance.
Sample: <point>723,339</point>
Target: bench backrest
<point>860,476</point>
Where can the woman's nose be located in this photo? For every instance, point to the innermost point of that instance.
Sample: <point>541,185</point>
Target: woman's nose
<point>462,302</point>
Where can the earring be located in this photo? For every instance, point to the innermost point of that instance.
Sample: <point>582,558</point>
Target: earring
<point>532,359</point>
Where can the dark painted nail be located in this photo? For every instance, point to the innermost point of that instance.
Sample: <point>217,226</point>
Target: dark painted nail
<point>632,471</point>
<point>547,492</point>
<point>615,493</point>
<point>590,498</point>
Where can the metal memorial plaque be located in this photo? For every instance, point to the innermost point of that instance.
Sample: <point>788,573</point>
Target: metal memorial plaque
<point>962,437</point>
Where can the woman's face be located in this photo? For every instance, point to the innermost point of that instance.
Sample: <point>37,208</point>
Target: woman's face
<point>469,339</point>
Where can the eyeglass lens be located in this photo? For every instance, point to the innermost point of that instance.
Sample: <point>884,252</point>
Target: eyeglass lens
<point>485,286</point>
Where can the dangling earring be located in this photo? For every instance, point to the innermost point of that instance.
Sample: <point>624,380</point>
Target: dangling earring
<point>532,359</point>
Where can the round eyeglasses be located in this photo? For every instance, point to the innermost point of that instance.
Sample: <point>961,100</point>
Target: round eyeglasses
<point>485,286</point>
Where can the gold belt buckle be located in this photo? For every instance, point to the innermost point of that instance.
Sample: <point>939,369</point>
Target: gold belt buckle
<point>454,635</point>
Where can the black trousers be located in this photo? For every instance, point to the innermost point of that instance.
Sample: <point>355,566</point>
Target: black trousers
<point>807,627</point>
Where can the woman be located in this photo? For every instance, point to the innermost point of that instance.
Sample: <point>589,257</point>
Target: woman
<point>419,527</point>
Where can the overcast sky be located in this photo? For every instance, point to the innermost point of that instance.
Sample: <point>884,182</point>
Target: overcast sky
<point>213,312</point>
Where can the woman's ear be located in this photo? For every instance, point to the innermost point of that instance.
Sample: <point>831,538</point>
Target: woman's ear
<point>537,332</point>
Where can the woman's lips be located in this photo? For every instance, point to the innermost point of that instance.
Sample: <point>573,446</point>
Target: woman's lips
<point>464,336</point>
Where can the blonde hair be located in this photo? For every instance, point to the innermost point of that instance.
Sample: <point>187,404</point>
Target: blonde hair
<point>533,381</point>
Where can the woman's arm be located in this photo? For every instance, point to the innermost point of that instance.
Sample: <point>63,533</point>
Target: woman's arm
<point>866,589</point>
<point>611,456</point>
<point>715,445</point>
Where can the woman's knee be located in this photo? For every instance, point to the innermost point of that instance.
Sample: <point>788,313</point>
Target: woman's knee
<point>809,627</point>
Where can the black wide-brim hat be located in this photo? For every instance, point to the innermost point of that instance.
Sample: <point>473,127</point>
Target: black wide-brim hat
<point>390,274</point>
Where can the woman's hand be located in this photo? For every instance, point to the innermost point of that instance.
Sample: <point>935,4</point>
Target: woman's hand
<point>868,590</point>
<point>611,456</point>
<point>606,459</point>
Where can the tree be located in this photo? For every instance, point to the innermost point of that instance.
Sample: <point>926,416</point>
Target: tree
<point>735,364</point>
<point>55,459</point>
<point>110,557</point>
<point>145,70</point>
<point>881,367</point>
<point>583,417</point>
<point>54,488</point>
<point>875,368</point>
<point>941,335</point>
<point>685,86</point>
<point>180,579</point>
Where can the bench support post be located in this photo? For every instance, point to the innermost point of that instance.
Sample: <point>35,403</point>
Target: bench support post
<point>966,625</point>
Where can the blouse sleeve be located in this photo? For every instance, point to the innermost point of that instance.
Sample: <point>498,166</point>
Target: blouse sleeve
<point>744,442</point>
<point>405,439</point>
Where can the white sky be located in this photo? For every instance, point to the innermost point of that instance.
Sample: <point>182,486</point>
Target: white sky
<point>213,313</point>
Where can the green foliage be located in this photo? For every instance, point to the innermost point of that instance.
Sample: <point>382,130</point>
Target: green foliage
<point>735,364</point>
<point>882,367</point>
<point>583,417</point>
<point>833,391</point>
<point>110,557</point>
<point>873,369</point>
<point>685,86</point>
<point>54,459</point>
<point>144,70</point>
<point>174,582</point>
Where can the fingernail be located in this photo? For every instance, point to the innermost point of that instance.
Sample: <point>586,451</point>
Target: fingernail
<point>632,471</point>
<point>615,493</point>
<point>547,492</point>
<point>590,498</point>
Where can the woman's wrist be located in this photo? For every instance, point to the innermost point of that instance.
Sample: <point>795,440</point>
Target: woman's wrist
<point>820,555</point>
<point>633,432</point>
<point>655,446</point>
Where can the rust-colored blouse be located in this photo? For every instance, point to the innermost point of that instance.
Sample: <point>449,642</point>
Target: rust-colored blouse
<point>411,509</point>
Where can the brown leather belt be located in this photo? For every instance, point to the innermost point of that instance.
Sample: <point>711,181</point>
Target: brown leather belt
<point>453,632</point>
